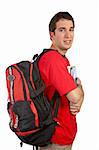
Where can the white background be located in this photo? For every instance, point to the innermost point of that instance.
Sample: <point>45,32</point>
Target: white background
<point>24,32</point>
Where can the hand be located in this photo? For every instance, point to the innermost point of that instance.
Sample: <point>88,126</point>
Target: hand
<point>74,108</point>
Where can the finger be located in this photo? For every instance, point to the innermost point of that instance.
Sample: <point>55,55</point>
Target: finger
<point>74,113</point>
<point>74,109</point>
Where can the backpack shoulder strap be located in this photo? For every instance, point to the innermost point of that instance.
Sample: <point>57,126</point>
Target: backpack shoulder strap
<point>37,57</point>
<point>55,101</point>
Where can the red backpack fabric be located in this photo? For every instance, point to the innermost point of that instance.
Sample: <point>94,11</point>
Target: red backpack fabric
<point>29,109</point>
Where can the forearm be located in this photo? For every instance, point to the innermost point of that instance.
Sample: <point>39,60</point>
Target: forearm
<point>76,106</point>
<point>75,95</point>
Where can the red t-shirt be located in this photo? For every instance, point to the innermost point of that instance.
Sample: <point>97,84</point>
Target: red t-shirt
<point>54,72</point>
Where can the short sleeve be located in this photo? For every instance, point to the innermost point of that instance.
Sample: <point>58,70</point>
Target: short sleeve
<point>59,76</point>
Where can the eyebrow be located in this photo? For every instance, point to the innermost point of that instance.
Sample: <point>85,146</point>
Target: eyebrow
<point>61,28</point>
<point>72,27</point>
<point>65,28</point>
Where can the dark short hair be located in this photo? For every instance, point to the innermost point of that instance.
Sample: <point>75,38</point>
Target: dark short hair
<point>57,17</point>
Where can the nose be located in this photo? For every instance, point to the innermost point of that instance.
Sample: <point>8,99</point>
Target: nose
<point>67,34</point>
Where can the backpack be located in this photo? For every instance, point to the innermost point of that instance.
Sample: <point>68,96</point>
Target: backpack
<point>33,117</point>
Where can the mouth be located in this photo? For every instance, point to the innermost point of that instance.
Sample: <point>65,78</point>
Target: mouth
<point>67,42</point>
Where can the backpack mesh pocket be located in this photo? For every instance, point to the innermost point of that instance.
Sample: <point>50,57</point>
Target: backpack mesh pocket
<point>26,118</point>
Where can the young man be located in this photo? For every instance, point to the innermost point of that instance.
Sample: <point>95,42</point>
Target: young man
<point>53,67</point>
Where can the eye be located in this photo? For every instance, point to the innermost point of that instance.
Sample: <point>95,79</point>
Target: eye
<point>61,29</point>
<point>71,29</point>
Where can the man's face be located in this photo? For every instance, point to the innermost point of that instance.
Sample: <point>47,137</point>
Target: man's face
<point>62,37</point>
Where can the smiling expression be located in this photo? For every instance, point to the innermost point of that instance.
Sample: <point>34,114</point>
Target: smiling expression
<point>62,37</point>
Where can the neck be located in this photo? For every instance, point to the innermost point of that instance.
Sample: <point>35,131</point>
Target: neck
<point>62,52</point>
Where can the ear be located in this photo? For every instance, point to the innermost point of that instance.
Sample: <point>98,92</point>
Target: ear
<point>51,35</point>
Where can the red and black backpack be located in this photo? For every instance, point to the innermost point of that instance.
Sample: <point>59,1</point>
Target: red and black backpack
<point>30,111</point>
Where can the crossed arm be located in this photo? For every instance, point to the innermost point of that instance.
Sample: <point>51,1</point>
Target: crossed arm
<point>76,98</point>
